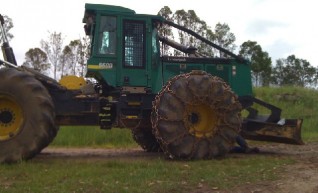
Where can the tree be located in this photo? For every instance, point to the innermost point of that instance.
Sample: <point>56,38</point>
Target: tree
<point>74,57</point>
<point>180,17</point>
<point>294,71</point>
<point>53,48</point>
<point>37,59</point>
<point>65,61</point>
<point>200,27</point>
<point>191,21</point>
<point>224,38</point>
<point>204,48</point>
<point>261,63</point>
<point>8,25</point>
<point>166,30</point>
<point>84,54</point>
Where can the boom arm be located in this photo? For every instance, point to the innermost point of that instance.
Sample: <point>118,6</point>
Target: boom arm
<point>227,52</point>
<point>176,45</point>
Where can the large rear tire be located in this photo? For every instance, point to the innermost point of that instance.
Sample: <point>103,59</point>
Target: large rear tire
<point>196,116</point>
<point>27,116</point>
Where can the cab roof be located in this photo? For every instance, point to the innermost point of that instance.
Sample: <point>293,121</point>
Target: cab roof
<point>108,8</point>
<point>116,10</point>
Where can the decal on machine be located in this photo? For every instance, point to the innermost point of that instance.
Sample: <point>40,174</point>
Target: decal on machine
<point>101,65</point>
<point>105,65</point>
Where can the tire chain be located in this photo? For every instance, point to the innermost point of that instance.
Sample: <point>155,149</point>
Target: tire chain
<point>155,117</point>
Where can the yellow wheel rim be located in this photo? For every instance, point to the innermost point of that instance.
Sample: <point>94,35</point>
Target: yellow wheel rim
<point>11,117</point>
<point>201,120</point>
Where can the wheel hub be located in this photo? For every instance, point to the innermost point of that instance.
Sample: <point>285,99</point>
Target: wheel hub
<point>201,120</point>
<point>6,117</point>
<point>11,117</point>
<point>194,118</point>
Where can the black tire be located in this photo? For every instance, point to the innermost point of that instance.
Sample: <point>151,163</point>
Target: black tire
<point>27,116</point>
<point>145,138</point>
<point>196,116</point>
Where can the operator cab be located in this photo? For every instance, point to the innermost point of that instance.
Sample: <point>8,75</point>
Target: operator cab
<point>123,44</point>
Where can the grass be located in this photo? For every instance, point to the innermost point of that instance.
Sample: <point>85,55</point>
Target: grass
<point>138,175</point>
<point>154,174</point>
<point>295,102</point>
<point>84,136</point>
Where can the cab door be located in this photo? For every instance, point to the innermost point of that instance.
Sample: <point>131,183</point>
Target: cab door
<point>134,70</point>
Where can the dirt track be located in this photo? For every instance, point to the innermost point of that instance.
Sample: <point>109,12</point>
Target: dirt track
<point>301,177</point>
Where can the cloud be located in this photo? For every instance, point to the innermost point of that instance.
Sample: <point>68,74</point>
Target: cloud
<point>263,27</point>
<point>279,49</point>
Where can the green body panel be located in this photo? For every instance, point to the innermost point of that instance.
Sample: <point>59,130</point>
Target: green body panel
<point>151,71</point>
<point>236,74</point>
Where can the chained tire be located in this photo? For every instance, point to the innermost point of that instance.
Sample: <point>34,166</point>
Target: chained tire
<point>146,140</point>
<point>27,116</point>
<point>196,116</point>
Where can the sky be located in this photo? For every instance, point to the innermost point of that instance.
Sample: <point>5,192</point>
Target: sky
<point>281,27</point>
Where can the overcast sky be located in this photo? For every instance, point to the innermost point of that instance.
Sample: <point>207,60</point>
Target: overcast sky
<point>281,27</point>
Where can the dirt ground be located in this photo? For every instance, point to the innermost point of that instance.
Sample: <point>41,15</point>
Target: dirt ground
<point>301,177</point>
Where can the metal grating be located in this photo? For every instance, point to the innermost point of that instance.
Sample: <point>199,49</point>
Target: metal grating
<point>134,43</point>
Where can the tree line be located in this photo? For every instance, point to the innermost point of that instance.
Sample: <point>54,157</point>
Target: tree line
<point>68,60</point>
<point>52,57</point>
<point>286,71</point>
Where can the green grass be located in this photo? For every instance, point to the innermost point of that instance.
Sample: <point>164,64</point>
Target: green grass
<point>84,136</point>
<point>298,103</point>
<point>142,175</point>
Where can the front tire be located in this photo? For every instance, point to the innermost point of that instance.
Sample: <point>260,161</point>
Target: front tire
<point>27,116</point>
<point>196,116</point>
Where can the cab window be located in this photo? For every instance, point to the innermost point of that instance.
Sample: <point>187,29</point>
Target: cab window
<point>134,33</point>
<point>107,35</point>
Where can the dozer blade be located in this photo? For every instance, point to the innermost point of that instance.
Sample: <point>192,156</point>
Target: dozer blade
<point>285,131</point>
